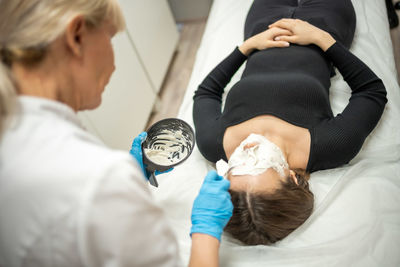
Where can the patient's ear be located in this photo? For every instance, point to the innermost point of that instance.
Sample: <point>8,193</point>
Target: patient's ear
<point>74,35</point>
<point>292,176</point>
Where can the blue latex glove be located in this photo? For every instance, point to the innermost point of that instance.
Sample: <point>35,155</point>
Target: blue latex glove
<point>213,207</point>
<point>136,152</point>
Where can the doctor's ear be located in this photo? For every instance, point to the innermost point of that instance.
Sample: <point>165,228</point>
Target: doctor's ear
<point>74,34</point>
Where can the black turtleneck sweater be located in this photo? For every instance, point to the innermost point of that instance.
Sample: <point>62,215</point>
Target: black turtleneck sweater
<point>291,84</point>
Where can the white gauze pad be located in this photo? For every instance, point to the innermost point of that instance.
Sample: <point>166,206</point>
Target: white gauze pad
<point>254,160</point>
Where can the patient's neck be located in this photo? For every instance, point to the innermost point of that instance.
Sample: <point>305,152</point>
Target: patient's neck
<point>293,141</point>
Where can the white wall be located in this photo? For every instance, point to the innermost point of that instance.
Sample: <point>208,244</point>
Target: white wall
<point>142,56</point>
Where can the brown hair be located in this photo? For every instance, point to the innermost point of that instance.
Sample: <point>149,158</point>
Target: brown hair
<point>264,218</point>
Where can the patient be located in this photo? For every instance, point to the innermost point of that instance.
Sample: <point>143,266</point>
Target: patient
<point>277,125</point>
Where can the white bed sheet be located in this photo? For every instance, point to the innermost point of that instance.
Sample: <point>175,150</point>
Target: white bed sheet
<point>356,221</point>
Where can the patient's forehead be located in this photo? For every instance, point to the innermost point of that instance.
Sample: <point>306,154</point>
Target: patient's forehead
<point>268,181</point>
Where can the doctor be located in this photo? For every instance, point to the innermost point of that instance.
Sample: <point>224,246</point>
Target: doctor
<point>65,198</point>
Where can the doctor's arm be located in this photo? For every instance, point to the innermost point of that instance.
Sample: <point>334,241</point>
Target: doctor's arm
<point>211,211</point>
<point>204,251</point>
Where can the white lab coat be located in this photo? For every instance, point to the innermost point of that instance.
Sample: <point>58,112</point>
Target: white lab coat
<point>68,200</point>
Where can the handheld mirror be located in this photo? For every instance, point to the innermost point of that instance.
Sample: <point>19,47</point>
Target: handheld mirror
<point>169,142</point>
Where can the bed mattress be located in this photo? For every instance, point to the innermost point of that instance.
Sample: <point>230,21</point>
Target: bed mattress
<point>356,220</point>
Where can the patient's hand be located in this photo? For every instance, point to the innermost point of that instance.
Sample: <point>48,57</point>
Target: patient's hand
<point>303,33</point>
<point>265,40</point>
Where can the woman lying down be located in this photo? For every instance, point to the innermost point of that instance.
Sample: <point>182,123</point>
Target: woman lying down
<point>277,125</point>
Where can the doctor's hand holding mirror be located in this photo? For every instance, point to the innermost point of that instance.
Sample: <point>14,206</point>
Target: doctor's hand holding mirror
<point>167,143</point>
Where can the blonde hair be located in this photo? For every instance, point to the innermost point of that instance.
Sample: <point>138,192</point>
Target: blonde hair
<point>28,27</point>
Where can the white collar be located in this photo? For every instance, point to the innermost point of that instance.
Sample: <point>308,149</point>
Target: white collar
<point>31,105</point>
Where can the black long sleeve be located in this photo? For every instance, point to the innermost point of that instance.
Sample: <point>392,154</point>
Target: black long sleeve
<point>207,103</point>
<point>337,140</point>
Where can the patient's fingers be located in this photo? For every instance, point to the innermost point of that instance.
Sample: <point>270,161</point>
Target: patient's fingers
<point>283,23</point>
<point>280,31</point>
<point>290,39</point>
<point>280,44</point>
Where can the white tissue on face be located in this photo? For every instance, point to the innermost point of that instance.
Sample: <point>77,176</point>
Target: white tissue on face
<point>257,159</point>
<point>222,167</point>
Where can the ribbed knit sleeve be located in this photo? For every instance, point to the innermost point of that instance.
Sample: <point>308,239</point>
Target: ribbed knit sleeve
<point>336,141</point>
<point>214,84</point>
<point>207,105</point>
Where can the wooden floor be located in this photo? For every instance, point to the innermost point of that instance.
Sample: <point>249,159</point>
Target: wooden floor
<point>180,70</point>
<point>177,79</point>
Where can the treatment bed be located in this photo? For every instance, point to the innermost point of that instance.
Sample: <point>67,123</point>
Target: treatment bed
<point>356,219</point>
